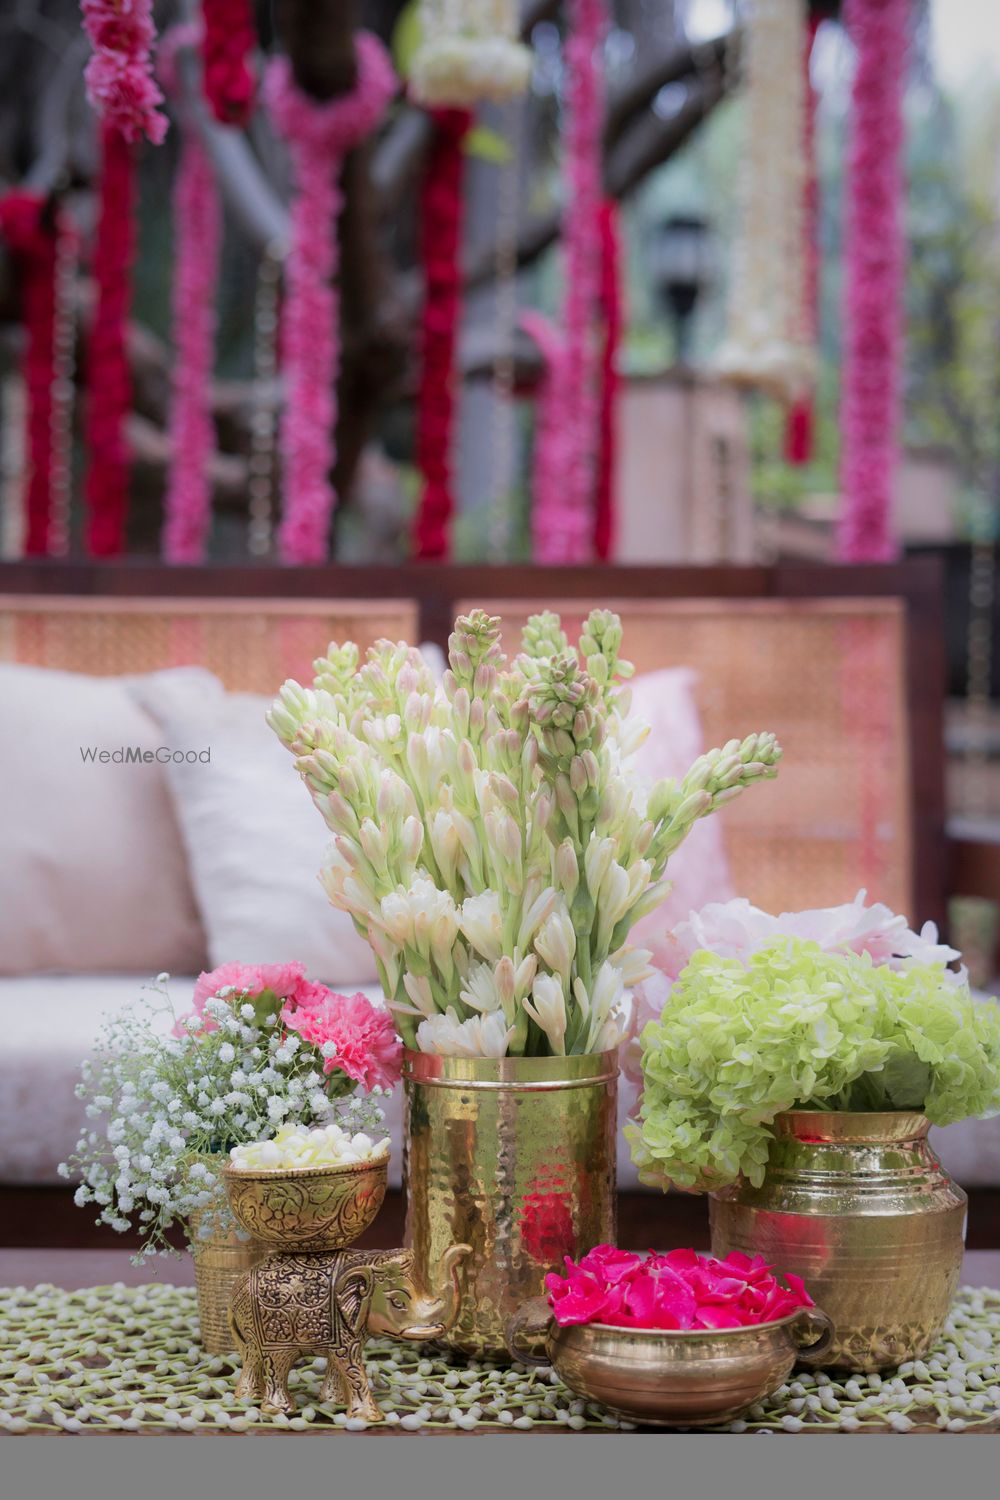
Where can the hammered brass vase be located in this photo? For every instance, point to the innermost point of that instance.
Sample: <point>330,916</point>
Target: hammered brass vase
<point>220,1258</point>
<point>859,1206</point>
<point>692,1377</point>
<point>514,1156</point>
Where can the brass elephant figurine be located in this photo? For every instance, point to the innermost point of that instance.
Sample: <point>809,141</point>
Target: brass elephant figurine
<point>289,1306</point>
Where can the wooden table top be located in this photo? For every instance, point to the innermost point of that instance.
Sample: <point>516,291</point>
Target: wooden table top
<point>81,1268</point>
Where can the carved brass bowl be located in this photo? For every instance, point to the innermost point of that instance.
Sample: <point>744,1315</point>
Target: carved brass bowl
<point>683,1378</point>
<point>309,1209</point>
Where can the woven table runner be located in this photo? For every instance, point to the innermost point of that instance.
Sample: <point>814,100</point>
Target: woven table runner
<point>128,1359</point>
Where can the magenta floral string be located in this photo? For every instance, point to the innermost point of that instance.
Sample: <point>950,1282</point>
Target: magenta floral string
<point>197,238</point>
<point>562,520</point>
<point>874,260</point>
<point>319,136</point>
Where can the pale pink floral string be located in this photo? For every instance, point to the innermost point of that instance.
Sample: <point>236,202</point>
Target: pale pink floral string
<point>319,136</point>
<point>874,262</point>
<point>119,76</point>
<point>562,520</point>
<point>197,238</point>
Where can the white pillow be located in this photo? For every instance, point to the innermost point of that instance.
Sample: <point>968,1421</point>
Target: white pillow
<point>255,841</point>
<point>93,874</point>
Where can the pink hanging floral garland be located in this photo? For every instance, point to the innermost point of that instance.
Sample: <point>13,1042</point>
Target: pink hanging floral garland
<point>874,258</point>
<point>319,135</point>
<point>197,238</point>
<point>121,89</point>
<point>562,511</point>
<point>800,421</point>
<point>440,247</point>
<point>230,38</point>
<point>28,227</point>
<point>611,315</point>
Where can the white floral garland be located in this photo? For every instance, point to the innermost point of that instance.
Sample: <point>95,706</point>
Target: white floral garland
<point>767,343</point>
<point>469,51</point>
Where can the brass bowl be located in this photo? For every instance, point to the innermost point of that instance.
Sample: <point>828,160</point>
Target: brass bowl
<point>657,1377</point>
<point>310,1209</point>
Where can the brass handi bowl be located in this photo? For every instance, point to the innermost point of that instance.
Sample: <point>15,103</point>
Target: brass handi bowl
<point>307,1209</point>
<point>670,1378</point>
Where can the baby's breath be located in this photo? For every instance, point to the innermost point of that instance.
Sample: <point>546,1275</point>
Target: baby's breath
<point>169,1102</point>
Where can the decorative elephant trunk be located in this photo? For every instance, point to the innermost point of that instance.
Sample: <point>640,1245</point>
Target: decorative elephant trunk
<point>290,1306</point>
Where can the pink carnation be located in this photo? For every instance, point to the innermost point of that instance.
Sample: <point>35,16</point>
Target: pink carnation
<point>249,981</point>
<point>363,1036</point>
<point>681,1289</point>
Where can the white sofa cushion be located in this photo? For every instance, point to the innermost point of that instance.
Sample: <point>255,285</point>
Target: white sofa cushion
<point>93,874</point>
<point>254,840</point>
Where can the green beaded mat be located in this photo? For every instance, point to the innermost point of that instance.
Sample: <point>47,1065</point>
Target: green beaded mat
<point>128,1358</point>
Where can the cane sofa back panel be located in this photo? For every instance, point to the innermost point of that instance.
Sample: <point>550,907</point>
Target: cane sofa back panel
<point>828,677</point>
<point>252,645</point>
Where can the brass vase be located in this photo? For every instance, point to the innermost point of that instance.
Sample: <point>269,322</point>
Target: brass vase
<point>220,1258</point>
<point>514,1156</point>
<point>859,1206</point>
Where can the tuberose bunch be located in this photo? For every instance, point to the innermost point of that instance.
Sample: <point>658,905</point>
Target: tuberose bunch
<point>489,841</point>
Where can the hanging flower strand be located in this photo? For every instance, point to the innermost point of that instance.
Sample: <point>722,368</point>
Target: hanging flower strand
<point>319,136</point>
<point>468,52</point>
<point>121,88</point>
<point>874,262</point>
<point>230,39</point>
<point>32,229</point>
<point>765,345</point>
<point>440,247</point>
<point>197,235</point>
<point>562,512</point>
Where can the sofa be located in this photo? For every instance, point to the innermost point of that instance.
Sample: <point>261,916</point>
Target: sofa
<point>119,868</point>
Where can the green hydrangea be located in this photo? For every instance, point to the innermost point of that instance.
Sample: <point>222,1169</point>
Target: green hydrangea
<point>796,1027</point>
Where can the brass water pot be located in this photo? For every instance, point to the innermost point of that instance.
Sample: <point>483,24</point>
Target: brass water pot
<point>690,1377</point>
<point>859,1206</point>
<point>514,1156</point>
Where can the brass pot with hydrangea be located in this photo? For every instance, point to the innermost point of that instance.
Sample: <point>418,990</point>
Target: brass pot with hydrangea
<point>796,1086</point>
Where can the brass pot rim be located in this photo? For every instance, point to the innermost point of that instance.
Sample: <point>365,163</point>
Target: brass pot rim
<point>298,1174</point>
<point>686,1333</point>
<point>846,1125</point>
<point>579,1070</point>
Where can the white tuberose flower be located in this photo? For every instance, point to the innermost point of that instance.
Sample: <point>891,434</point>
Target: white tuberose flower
<point>549,1010</point>
<point>480,1036</point>
<point>604,1007</point>
<point>555,941</point>
<point>481,922</point>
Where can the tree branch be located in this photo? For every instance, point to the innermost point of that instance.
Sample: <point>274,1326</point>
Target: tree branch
<point>655,73</point>
<point>650,141</point>
<point>319,40</point>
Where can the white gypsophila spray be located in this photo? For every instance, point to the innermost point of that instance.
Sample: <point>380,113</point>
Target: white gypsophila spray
<point>173,1106</point>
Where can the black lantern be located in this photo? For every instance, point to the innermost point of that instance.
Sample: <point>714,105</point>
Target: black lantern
<point>680,266</point>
